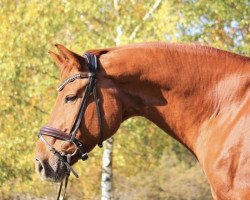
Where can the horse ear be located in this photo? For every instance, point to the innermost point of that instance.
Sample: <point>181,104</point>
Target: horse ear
<point>67,56</point>
<point>56,58</point>
<point>65,53</point>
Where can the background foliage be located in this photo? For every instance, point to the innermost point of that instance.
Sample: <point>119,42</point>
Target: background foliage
<point>148,164</point>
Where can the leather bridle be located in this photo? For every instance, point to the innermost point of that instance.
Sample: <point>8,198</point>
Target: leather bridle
<point>71,137</point>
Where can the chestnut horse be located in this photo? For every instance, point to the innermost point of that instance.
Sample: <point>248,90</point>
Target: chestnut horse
<point>199,95</point>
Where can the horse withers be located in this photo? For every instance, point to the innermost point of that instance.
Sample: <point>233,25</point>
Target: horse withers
<point>199,95</point>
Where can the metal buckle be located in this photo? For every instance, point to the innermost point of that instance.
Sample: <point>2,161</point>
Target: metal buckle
<point>69,142</point>
<point>91,74</point>
<point>83,155</point>
<point>79,147</point>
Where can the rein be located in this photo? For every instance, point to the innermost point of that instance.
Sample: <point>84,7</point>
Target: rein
<point>71,137</point>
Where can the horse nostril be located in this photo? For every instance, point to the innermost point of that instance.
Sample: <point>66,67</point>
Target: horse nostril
<point>40,166</point>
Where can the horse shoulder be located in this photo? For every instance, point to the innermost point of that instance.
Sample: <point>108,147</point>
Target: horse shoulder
<point>224,152</point>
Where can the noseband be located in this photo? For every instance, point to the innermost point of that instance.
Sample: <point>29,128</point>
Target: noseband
<point>71,137</point>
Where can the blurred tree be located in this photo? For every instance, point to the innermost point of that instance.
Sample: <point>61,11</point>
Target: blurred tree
<point>24,64</point>
<point>28,80</point>
<point>224,24</point>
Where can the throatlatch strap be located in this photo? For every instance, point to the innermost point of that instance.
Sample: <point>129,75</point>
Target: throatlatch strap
<point>98,117</point>
<point>92,60</point>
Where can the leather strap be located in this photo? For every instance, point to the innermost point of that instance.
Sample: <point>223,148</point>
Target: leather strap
<point>53,132</point>
<point>65,187</point>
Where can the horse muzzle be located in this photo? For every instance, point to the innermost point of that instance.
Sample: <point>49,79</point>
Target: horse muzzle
<point>52,169</point>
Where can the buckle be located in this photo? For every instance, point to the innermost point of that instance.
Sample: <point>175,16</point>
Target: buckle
<point>84,156</point>
<point>91,74</point>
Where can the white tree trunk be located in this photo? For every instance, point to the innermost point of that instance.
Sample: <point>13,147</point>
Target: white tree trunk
<point>106,183</point>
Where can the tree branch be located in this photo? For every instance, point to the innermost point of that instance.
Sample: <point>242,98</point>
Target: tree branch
<point>145,18</point>
<point>118,28</point>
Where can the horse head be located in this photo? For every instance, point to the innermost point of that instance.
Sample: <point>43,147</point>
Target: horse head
<point>75,129</point>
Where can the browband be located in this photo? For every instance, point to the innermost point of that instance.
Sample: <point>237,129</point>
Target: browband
<point>74,77</point>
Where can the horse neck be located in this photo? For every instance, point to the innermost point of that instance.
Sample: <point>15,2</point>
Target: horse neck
<point>169,85</point>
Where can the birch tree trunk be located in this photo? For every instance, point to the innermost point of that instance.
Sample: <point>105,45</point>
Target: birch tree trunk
<point>106,182</point>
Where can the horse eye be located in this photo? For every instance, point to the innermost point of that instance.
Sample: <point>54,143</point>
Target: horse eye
<point>70,98</point>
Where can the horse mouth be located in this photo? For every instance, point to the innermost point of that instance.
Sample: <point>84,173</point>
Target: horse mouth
<point>55,171</point>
